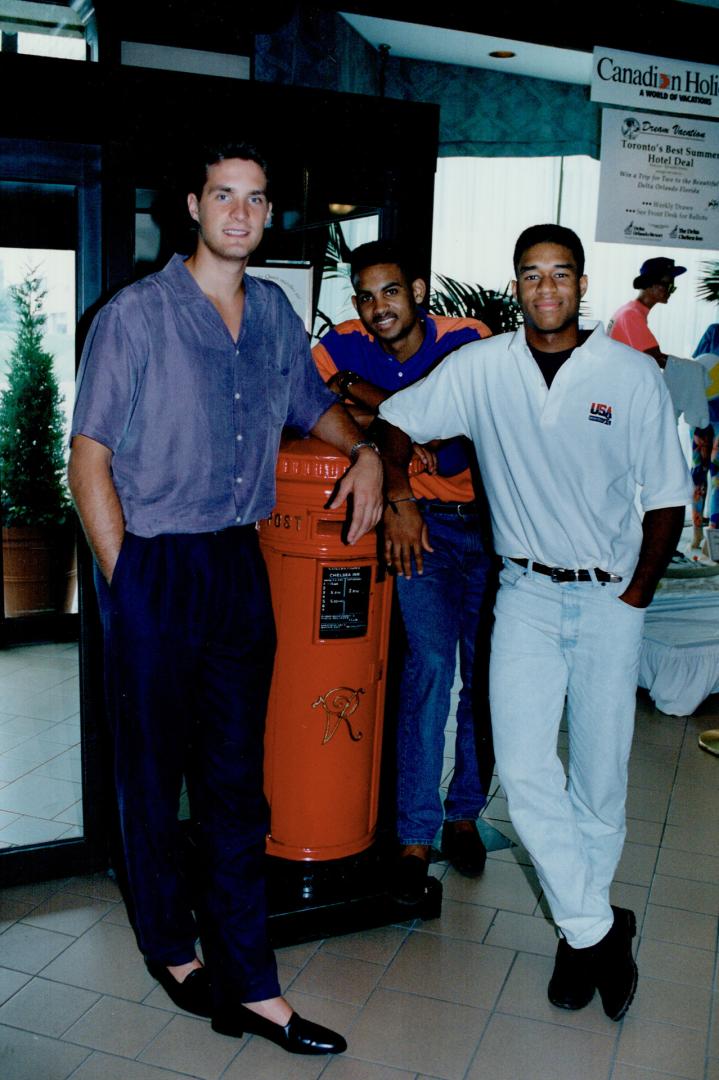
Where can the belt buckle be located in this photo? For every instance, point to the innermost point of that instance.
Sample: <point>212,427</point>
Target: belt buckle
<point>560,574</point>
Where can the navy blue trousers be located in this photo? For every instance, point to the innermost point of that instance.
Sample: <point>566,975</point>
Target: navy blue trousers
<point>189,645</point>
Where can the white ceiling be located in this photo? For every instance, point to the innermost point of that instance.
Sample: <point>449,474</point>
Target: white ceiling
<point>416,42</point>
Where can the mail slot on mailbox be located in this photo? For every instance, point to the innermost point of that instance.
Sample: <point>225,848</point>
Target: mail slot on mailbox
<point>324,723</point>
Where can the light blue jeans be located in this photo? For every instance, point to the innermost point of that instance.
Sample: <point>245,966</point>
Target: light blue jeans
<point>581,641</point>
<point>440,609</point>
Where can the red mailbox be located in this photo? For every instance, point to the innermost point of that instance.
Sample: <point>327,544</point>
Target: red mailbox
<point>332,609</point>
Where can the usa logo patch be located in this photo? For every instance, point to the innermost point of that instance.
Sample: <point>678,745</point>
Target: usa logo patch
<point>601,414</point>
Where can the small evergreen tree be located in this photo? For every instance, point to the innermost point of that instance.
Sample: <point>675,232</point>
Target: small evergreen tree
<point>32,460</point>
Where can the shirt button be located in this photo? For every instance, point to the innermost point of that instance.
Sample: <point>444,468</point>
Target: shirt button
<point>238,520</point>
<point>237,397</point>
<point>237,352</point>
<point>400,374</point>
<point>238,479</point>
<point>239,438</point>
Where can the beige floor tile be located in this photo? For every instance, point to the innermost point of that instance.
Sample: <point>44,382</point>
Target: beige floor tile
<point>33,892</point>
<point>118,1027</point>
<point>647,804</point>
<point>106,1067</point>
<point>67,913</point>
<point>10,983</point>
<point>675,1050</point>
<point>712,1070</point>
<point>100,886</point>
<point>46,1007</point>
<point>375,946</point>
<point>191,1046</point>
<point>24,1056</point>
<point>665,1003</point>
<point>417,1034</point>
<point>525,994</point>
<point>675,963</point>
<point>459,971</point>
<point>340,977</point>
<point>502,885</point>
<point>514,1048</point>
<point>630,1072</point>
<point>634,897</point>
<point>701,837</point>
<point>656,775</point>
<point>117,914</point>
<point>346,1068</point>
<point>684,864</point>
<point>12,910</point>
<point>714,1039</point>
<point>28,948</point>
<point>469,922</point>
<point>682,927</point>
<point>646,751</point>
<point>262,1060</point>
<point>527,933</point>
<point>637,863</point>
<point>691,802</point>
<point>104,959</point>
<point>644,832</point>
<point>690,895</point>
<point>298,955</point>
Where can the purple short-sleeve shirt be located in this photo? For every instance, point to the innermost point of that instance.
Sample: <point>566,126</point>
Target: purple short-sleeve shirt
<point>193,418</point>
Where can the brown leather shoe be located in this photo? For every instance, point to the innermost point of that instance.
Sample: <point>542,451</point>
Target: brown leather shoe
<point>462,845</point>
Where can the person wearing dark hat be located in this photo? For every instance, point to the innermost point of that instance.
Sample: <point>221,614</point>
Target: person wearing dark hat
<point>655,282</point>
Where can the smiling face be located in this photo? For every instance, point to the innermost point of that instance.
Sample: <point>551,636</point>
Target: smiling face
<point>232,209</point>
<point>387,305</point>
<point>549,290</point>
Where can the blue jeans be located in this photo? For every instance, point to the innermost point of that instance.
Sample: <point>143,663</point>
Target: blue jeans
<point>440,609</point>
<point>577,641</point>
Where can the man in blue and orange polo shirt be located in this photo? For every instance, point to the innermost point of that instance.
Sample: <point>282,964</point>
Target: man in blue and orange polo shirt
<point>392,344</point>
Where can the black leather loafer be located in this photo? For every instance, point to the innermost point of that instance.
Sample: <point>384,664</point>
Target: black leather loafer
<point>408,879</point>
<point>572,983</point>
<point>192,994</point>
<point>615,970</point>
<point>463,847</point>
<point>297,1037</point>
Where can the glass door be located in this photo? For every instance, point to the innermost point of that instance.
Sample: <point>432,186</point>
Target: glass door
<point>49,272</point>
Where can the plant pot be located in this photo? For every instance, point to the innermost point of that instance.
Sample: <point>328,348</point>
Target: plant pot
<point>39,569</point>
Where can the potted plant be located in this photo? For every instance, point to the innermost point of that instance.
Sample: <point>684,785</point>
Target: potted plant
<point>38,532</point>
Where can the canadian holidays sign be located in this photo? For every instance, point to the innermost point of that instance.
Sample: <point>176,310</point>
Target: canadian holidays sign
<point>652,82</point>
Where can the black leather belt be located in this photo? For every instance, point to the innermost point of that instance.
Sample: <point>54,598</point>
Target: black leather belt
<point>453,509</point>
<point>560,574</point>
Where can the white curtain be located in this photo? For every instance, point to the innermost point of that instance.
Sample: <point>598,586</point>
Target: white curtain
<point>482,204</point>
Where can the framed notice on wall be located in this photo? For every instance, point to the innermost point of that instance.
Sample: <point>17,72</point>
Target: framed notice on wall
<point>659,180</point>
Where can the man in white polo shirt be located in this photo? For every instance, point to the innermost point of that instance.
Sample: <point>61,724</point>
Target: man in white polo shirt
<point>568,426</point>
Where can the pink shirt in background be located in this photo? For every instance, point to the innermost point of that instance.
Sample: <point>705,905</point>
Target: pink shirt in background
<point>629,325</point>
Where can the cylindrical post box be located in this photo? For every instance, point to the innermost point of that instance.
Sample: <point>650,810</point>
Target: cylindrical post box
<point>324,723</point>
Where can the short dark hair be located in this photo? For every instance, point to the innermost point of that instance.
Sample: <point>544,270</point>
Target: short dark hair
<point>380,252</point>
<point>211,154</point>
<point>549,234</point>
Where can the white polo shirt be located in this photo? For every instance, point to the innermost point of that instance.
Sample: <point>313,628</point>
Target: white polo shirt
<point>561,466</point>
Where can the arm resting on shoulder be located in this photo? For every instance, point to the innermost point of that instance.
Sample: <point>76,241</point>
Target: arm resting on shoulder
<point>363,480</point>
<point>405,533</point>
<point>662,529</point>
<point>96,501</point>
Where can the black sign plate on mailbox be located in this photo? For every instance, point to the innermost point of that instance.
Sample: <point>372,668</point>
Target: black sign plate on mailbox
<point>344,608</point>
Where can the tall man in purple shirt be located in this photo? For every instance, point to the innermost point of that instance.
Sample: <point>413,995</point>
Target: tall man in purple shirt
<point>186,381</point>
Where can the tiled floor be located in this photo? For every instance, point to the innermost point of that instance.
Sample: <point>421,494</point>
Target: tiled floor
<point>40,789</point>
<point>459,998</point>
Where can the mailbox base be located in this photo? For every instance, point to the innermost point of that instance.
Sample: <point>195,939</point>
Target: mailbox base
<point>312,900</point>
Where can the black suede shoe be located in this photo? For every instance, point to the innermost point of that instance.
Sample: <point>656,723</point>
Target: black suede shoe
<point>615,970</point>
<point>408,879</point>
<point>572,983</point>
<point>297,1037</point>
<point>462,845</point>
<point>192,994</point>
